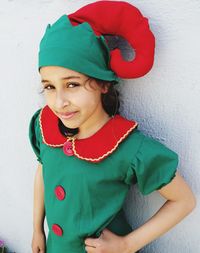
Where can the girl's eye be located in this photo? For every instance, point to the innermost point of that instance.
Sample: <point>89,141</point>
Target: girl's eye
<point>69,85</point>
<point>72,85</point>
<point>48,87</point>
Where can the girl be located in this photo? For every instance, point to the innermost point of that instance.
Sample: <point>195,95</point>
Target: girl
<point>89,155</point>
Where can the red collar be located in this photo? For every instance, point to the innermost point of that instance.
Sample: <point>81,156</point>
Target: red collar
<point>106,139</point>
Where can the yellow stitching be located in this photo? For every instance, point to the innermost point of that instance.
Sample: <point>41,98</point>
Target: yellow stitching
<point>51,145</point>
<point>73,142</point>
<point>109,152</point>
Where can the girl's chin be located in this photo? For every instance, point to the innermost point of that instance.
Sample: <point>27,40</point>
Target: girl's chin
<point>68,125</point>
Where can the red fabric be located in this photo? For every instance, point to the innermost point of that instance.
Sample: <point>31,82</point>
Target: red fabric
<point>122,19</point>
<point>103,141</point>
<point>49,127</point>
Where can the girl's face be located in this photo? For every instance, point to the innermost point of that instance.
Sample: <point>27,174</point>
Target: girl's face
<point>73,97</point>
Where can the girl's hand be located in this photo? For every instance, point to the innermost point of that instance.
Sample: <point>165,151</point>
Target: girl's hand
<point>108,242</point>
<point>38,242</point>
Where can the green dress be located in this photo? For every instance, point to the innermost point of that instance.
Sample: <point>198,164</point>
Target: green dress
<point>85,192</point>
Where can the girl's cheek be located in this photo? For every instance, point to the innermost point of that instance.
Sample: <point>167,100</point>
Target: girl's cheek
<point>49,98</point>
<point>46,97</point>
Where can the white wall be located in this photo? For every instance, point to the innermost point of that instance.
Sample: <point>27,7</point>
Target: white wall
<point>165,103</point>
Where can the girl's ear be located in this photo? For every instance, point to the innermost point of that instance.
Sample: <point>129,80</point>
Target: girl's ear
<point>105,88</point>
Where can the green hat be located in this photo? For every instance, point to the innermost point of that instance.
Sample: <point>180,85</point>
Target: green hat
<point>77,48</point>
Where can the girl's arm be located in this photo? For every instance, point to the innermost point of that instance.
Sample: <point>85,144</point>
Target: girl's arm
<point>38,209</point>
<point>180,202</point>
<point>39,238</point>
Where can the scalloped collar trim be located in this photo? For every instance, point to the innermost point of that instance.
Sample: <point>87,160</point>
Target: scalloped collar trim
<point>94,148</point>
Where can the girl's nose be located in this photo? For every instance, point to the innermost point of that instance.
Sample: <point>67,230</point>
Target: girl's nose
<point>61,100</point>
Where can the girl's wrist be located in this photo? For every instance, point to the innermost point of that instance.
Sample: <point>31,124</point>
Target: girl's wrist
<point>39,229</point>
<point>129,246</point>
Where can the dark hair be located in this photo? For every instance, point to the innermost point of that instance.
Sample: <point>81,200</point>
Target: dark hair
<point>110,102</point>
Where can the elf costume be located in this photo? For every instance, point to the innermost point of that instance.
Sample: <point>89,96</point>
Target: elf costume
<point>87,180</point>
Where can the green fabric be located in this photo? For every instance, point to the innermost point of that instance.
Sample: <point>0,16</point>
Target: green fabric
<point>153,166</point>
<point>34,132</point>
<point>76,48</point>
<point>95,192</point>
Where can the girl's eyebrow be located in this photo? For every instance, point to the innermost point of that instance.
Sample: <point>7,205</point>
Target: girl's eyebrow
<point>64,78</point>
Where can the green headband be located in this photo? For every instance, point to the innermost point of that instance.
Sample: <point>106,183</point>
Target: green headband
<point>76,48</point>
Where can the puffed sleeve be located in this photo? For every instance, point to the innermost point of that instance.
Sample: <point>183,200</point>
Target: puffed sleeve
<point>34,134</point>
<point>153,166</point>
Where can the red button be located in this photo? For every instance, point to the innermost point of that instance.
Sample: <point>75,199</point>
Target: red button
<point>60,192</point>
<point>57,229</point>
<point>67,148</point>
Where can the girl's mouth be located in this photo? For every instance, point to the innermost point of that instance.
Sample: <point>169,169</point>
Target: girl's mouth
<point>66,115</point>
